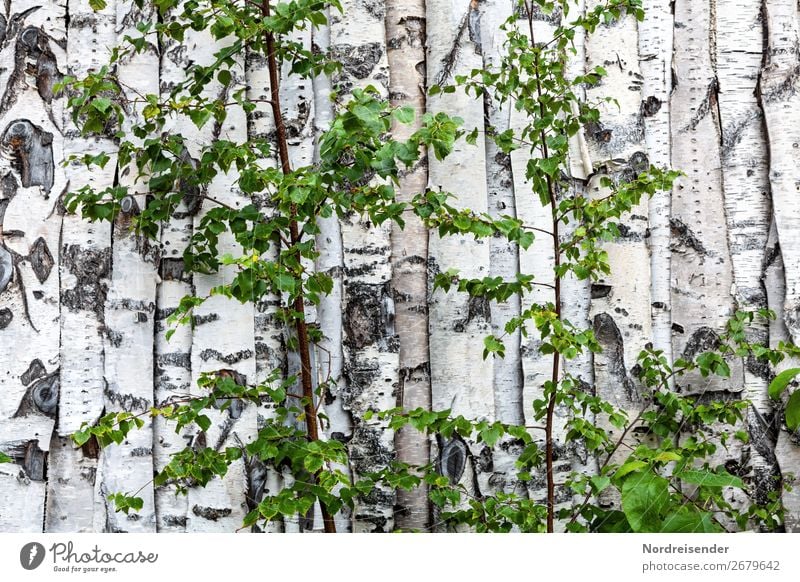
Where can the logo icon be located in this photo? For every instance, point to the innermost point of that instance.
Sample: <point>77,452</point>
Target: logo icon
<point>31,555</point>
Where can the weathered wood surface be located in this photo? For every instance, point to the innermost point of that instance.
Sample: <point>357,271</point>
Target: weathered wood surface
<point>83,306</point>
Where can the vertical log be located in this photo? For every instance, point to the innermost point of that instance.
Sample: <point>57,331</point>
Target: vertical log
<point>85,269</point>
<point>405,31</point>
<point>701,263</point>
<point>778,91</point>
<point>32,54</point>
<point>655,62</point>
<point>461,379</point>
<point>129,314</point>
<point>358,40</point>
<point>739,53</point>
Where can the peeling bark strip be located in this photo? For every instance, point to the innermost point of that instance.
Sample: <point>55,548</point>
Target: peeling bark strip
<point>701,263</point>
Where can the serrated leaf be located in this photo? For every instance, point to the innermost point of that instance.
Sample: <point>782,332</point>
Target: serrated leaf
<point>710,479</point>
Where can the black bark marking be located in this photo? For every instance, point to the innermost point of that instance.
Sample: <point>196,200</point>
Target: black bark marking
<point>452,459</point>
<point>704,339</point>
<point>41,260</point>
<point>211,513</point>
<point>5,317</point>
<point>127,402</point>
<point>175,359</point>
<point>369,316</point>
<point>477,309</point>
<point>91,267</point>
<point>31,149</point>
<point>650,106</point>
<point>708,104</point>
<point>35,371</point>
<point>6,267</point>
<point>192,193</point>
<point>40,397</point>
<point>8,189</point>
<point>173,270</point>
<point>610,338</point>
<point>229,359</point>
<point>682,236</point>
<point>599,290</point>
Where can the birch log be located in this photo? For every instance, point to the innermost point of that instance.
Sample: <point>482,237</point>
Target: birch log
<point>405,31</point>
<point>701,263</point>
<point>223,332</point>
<point>358,41</point>
<point>778,91</point>
<point>85,270</point>
<point>655,62</point>
<point>739,52</point>
<point>30,222</point>
<point>461,380</point>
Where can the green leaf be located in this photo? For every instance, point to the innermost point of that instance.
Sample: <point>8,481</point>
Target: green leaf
<point>710,479</point>
<point>645,497</point>
<point>781,381</point>
<point>629,467</point>
<point>404,114</point>
<point>793,411</point>
<point>688,520</point>
<point>4,458</point>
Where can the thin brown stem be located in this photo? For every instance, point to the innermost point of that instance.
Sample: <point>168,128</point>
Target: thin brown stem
<point>301,328</point>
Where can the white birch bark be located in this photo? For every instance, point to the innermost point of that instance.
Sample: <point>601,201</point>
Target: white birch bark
<point>405,30</point>
<point>621,302</point>
<point>739,48</point>
<point>223,334</point>
<point>358,40</point>
<point>779,99</point>
<point>173,357</point>
<point>30,224</point>
<point>461,380</point>
<point>701,263</point>
<point>85,266</point>
<point>129,315</point>
<point>655,62</point>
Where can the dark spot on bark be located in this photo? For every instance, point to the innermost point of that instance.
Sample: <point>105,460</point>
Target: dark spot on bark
<point>678,328</point>
<point>650,106</point>
<point>229,359</point>
<point>600,290</point>
<point>41,260</point>
<point>114,337</point>
<point>682,236</point>
<point>175,359</point>
<point>172,270</point>
<point>5,317</point>
<point>91,267</point>
<point>127,402</point>
<point>613,354</point>
<point>41,396</point>
<point>358,61</point>
<point>6,267</point>
<point>174,520</point>
<point>477,308</point>
<point>368,316</point>
<point>201,319</point>
<point>211,513</point>
<point>452,458</point>
<point>141,452</point>
<point>704,339</point>
<point>31,150</point>
<point>35,371</point>
<point>763,431</point>
<point>759,368</point>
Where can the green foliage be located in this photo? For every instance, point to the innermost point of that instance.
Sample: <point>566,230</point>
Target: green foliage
<point>4,458</point>
<point>666,478</point>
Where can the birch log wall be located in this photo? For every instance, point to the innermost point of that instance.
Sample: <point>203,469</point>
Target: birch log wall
<point>708,86</point>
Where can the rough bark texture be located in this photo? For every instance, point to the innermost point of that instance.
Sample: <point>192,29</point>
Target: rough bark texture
<point>710,88</point>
